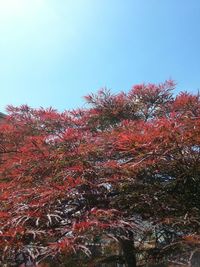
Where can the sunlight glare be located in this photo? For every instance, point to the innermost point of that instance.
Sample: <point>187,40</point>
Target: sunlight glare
<point>17,8</point>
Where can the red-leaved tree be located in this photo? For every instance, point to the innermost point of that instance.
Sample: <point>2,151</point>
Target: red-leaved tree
<point>116,182</point>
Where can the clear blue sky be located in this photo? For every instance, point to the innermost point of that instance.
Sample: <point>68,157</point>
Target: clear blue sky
<point>52,52</point>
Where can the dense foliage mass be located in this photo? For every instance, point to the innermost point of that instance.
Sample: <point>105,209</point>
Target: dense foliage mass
<point>117,182</point>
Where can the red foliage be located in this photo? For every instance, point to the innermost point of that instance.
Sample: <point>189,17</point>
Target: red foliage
<point>64,177</point>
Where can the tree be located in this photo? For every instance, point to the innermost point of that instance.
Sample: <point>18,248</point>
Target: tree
<point>118,176</point>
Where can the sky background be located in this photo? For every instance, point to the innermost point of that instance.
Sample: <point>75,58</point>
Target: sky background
<point>53,52</point>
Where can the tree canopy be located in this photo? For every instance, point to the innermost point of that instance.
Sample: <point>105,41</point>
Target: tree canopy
<point>122,175</point>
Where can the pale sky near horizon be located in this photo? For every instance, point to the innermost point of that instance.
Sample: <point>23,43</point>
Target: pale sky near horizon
<point>53,52</point>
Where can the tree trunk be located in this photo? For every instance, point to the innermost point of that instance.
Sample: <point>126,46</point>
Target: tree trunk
<point>195,261</point>
<point>128,252</point>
